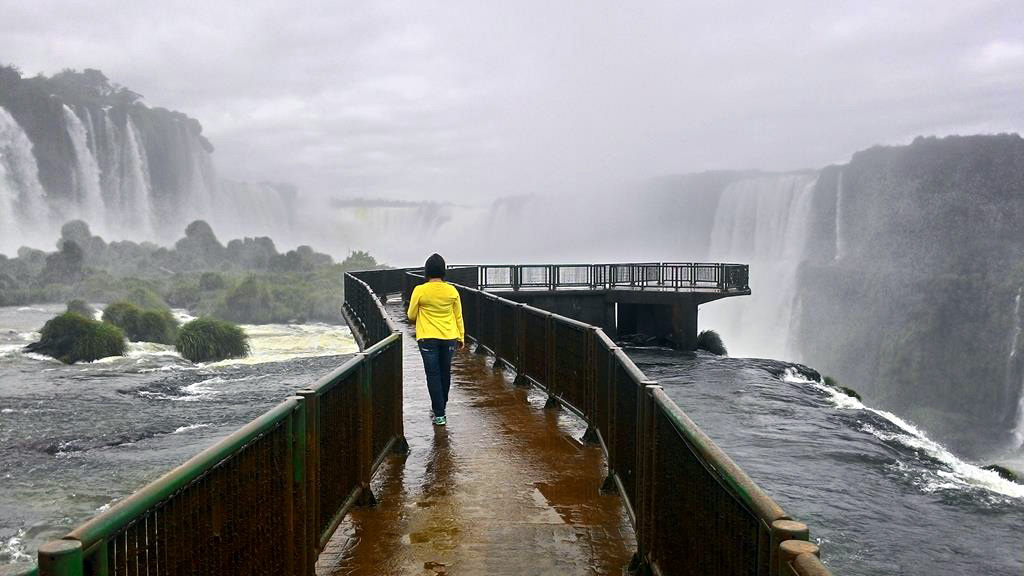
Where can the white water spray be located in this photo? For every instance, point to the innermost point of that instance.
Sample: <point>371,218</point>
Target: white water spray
<point>1012,370</point>
<point>136,210</point>
<point>23,209</point>
<point>762,221</point>
<point>840,243</point>
<point>87,191</point>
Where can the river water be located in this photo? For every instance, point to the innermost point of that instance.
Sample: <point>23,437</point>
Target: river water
<point>879,496</point>
<point>75,438</point>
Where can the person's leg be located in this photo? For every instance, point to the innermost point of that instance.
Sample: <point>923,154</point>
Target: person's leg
<point>430,349</point>
<point>445,360</point>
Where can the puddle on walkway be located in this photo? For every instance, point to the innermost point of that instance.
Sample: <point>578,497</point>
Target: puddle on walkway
<point>505,488</point>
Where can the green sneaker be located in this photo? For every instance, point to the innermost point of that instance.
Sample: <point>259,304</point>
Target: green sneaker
<point>440,420</point>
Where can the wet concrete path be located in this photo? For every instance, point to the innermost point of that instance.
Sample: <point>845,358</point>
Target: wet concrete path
<point>505,488</point>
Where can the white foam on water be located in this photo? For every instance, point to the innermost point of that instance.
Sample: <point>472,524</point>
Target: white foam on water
<point>15,548</point>
<point>282,342</point>
<point>961,475</point>
<point>190,427</point>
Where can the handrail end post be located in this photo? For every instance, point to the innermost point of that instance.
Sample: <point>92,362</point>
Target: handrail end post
<point>61,558</point>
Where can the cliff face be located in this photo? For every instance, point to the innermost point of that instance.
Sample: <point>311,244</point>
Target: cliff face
<point>131,171</point>
<point>910,282</point>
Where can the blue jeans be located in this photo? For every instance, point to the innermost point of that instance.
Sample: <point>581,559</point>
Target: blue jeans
<point>437,362</point>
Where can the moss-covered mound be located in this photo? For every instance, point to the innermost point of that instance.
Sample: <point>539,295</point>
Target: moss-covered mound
<point>833,383</point>
<point>209,339</point>
<point>1003,472</point>
<point>710,341</point>
<point>153,325</point>
<point>72,338</point>
<point>82,307</point>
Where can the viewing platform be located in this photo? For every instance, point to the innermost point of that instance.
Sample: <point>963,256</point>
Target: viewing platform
<point>560,457</point>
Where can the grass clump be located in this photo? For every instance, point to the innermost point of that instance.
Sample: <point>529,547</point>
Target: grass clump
<point>142,325</point>
<point>72,338</point>
<point>833,383</point>
<point>710,341</point>
<point>209,339</point>
<point>82,308</point>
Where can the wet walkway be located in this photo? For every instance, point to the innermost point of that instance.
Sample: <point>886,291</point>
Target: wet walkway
<point>505,488</point>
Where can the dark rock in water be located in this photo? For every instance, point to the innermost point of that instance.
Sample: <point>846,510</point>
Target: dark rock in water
<point>72,338</point>
<point>1003,472</point>
<point>850,392</point>
<point>710,341</point>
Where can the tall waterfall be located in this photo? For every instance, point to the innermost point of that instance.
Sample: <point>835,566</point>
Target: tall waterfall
<point>23,214</point>
<point>1015,373</point>
<point>87,192</point>
<point>135,207</point>
<point>761,221</point>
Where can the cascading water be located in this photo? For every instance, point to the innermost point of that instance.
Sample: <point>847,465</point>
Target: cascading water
<point>87,193</point>
<point>760,221</point>
<point>136,209</point>
<point>1015,374</point>
<point>110,159</point>
<point>23,211</point>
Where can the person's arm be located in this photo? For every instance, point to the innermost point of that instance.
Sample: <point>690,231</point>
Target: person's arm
<point>414,304</point>
<point>458,319</point>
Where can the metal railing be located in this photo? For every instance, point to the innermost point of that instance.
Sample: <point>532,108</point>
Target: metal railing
<point>266,499</point>
<point>647,275</point>
<point>693,509</point>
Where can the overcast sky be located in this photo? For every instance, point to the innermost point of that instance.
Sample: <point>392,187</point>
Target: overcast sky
<point>448,99</point>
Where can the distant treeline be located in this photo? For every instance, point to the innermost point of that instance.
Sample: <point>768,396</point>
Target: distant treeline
<point>247,281</point>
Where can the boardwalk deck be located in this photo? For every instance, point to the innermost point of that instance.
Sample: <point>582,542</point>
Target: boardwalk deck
<point>505,488</point>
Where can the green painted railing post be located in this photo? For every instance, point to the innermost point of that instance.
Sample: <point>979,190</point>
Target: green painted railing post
<point>549,362</point>
<point>61,558</point>
<point>303,540</point>
<point>781,531</point>
<point>312,404</point>
<point>366,497</point>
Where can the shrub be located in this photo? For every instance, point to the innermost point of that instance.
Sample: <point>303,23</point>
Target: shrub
<point>833,383</point>
<point>140,325</point>
<point>145,298</point>
<point>82,308</point>
<point>211,281</point>
<point>710,341</point>
<point>72,338</point>
<point>209,339</point>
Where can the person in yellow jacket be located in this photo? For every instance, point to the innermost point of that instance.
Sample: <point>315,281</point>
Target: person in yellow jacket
<point>436,309</point>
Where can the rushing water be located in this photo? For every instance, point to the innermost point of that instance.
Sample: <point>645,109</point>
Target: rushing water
<point>75,438</point>
<point>879,496</point>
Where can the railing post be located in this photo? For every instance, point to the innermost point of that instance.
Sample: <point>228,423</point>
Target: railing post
<point>549,363</point>
<point>609,434</point>
<point>590,387</point>
<point>521,379</point>
<point>312,485</point>
<point>789,550</point>
<point>298,488</point>
<point>61,558</point>
<point>366,498</point>
<point>401,444</point>
<point>781,531</point>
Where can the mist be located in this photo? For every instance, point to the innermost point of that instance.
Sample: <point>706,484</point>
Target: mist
<point>462,101</point>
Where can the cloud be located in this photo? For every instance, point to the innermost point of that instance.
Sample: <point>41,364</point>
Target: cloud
<point>471,99</point>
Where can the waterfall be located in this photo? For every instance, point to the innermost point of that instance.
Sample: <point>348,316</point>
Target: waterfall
<point>761,221</point>
<point>110,160</point>
<point>87,192</point>
<point>23,208</point>
<point>1015,374</point>
<point>135,206</point>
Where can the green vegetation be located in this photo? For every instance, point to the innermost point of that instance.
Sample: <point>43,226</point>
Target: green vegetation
<point>81,307</point>
<point>142,325</point>
<point>1004,472</point>
<point>72,338</point>
<point>210,340</point>
<point>246,281</point>
<point>833,383</point>
<point>710,341</point>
